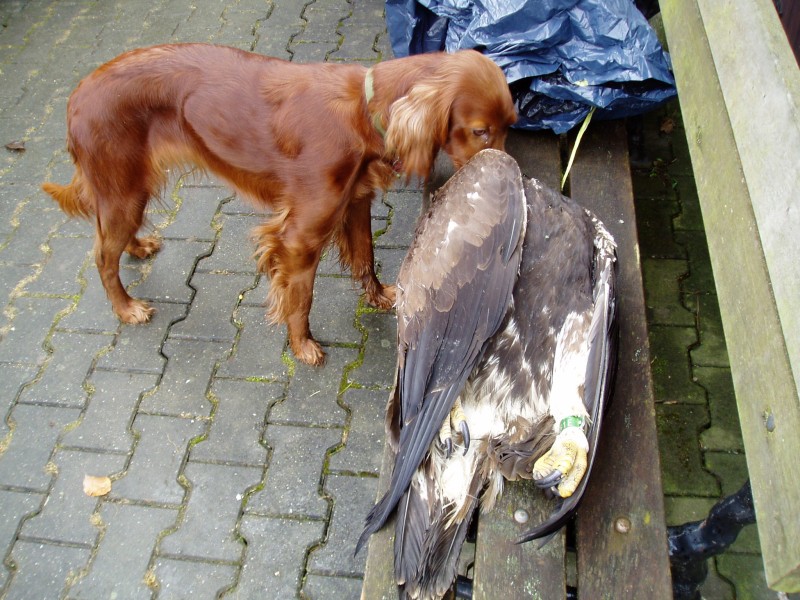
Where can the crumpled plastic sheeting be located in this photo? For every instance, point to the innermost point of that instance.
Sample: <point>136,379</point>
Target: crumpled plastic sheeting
<point>561,57</point>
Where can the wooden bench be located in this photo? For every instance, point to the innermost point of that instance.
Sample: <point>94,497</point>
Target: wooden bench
<point>620,544</point>
<point>739,90</point>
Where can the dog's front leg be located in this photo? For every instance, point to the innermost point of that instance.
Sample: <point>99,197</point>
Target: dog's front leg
<point>355,251</point>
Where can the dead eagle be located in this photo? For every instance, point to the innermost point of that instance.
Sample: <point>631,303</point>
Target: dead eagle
<point>505,311</point>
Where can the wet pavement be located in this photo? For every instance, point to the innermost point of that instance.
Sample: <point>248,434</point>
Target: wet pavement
<point>237,472</point>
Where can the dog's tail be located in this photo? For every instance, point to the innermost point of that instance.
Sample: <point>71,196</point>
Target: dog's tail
<point>73,198</point>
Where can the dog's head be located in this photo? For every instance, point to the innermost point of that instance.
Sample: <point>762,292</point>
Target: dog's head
<point>463,106</point>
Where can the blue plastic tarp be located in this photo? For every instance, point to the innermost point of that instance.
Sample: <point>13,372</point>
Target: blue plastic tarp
<point>561,57</point>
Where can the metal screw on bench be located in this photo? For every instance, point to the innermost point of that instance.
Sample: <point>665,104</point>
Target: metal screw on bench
<point>521,516</point>
<point>622,525</point>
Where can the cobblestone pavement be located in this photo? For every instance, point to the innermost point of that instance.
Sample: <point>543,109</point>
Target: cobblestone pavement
<point>237,472</point>
<point>234,469</point>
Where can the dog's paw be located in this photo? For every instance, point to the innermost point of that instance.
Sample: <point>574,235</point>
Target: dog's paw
<point>308,351</point>
<point>144,247</point>
<point>136,312</point>
<point>384,298</point>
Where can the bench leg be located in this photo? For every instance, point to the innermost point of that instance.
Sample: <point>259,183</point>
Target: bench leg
<point>692,544</point>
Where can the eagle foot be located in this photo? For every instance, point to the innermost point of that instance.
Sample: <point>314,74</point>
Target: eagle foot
<point>455,420</point>
<point>562,468</point>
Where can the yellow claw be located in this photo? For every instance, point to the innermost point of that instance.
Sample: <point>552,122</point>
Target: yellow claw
<point>574,476</point>
<point>455,420</point>
<point>567,461</point>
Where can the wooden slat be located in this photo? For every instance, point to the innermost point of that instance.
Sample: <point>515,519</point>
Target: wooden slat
<point>739,89</point>
<point>379,573</point>
<point>626,480</point>
<point>504,569</point>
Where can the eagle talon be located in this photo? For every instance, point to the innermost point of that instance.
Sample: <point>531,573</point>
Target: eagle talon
<point>549,481</point>
<point>464,428</point>
<point>455,420</point>
<point>448,446</point>
<point>563,466</point>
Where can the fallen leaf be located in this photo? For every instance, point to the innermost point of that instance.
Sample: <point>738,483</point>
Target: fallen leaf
<point>16,146</point>
<point>667,125</point>
<point>94,485</point>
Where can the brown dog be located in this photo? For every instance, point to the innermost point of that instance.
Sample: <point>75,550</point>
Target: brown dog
<point>310,141</point>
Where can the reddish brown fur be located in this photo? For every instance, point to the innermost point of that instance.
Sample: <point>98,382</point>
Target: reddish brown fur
<point>296,138</point>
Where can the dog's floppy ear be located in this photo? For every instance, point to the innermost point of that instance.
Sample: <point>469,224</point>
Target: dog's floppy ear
<point>418,125</point>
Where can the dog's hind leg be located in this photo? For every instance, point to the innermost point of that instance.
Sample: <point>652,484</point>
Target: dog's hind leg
<point>117,223</point>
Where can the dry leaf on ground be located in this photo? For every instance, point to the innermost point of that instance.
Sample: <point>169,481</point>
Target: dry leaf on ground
<point>96,485</point>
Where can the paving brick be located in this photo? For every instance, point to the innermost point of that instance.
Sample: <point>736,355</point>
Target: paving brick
<point>672,378</point>
<point>44,570</point>
<point>682,467</point>
<point>335,296</point>
<point>24,464</point>
<point>210,317</point>
<point>171,271</point>
<point>322,21</point>
<point>207,529</point>
<point>748,573</point>
<point>12,378</point>
<point>275,551</point>
<point>194,219</point>
<point>654,215</point>
<point>62,381</point>
<point>61,272</point>
<point>377,368</point>
<point>406,207</point>
<point>123,555</point>
<point>258,353</point>
<point>139,347</point>
<point>712,351</point>
<point>292,483</point>
<point>725,433</point>
<point>30,326</point>
<point>16,506</point>
<point>106,422</point>
<point>700,279</point>
<point>234,250</point>
<point>180,579</point>
<point>9,202</point>
<point>662,280</point>
<point>389,261</point>
<point>363,450</point>
<point>322,587</point>
<point>153,472</point>
<point>182,390</point>
<point>312,395</point>
<point>311,52</point>
<point>66,515</point>
<point>353,498</point>
<point>238,424</point>
<point>360,32</point>
<point>687,509</point>
<point>690,217</point>
<point>93,311</point>
<point>238,25</point>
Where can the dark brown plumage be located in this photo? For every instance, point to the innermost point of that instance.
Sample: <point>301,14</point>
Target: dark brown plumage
<point>515,320</point>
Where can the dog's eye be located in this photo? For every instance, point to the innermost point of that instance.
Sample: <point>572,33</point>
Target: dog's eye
<point>480,132</point>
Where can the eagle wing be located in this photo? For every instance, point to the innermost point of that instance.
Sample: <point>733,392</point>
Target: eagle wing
<point>454,290</point>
